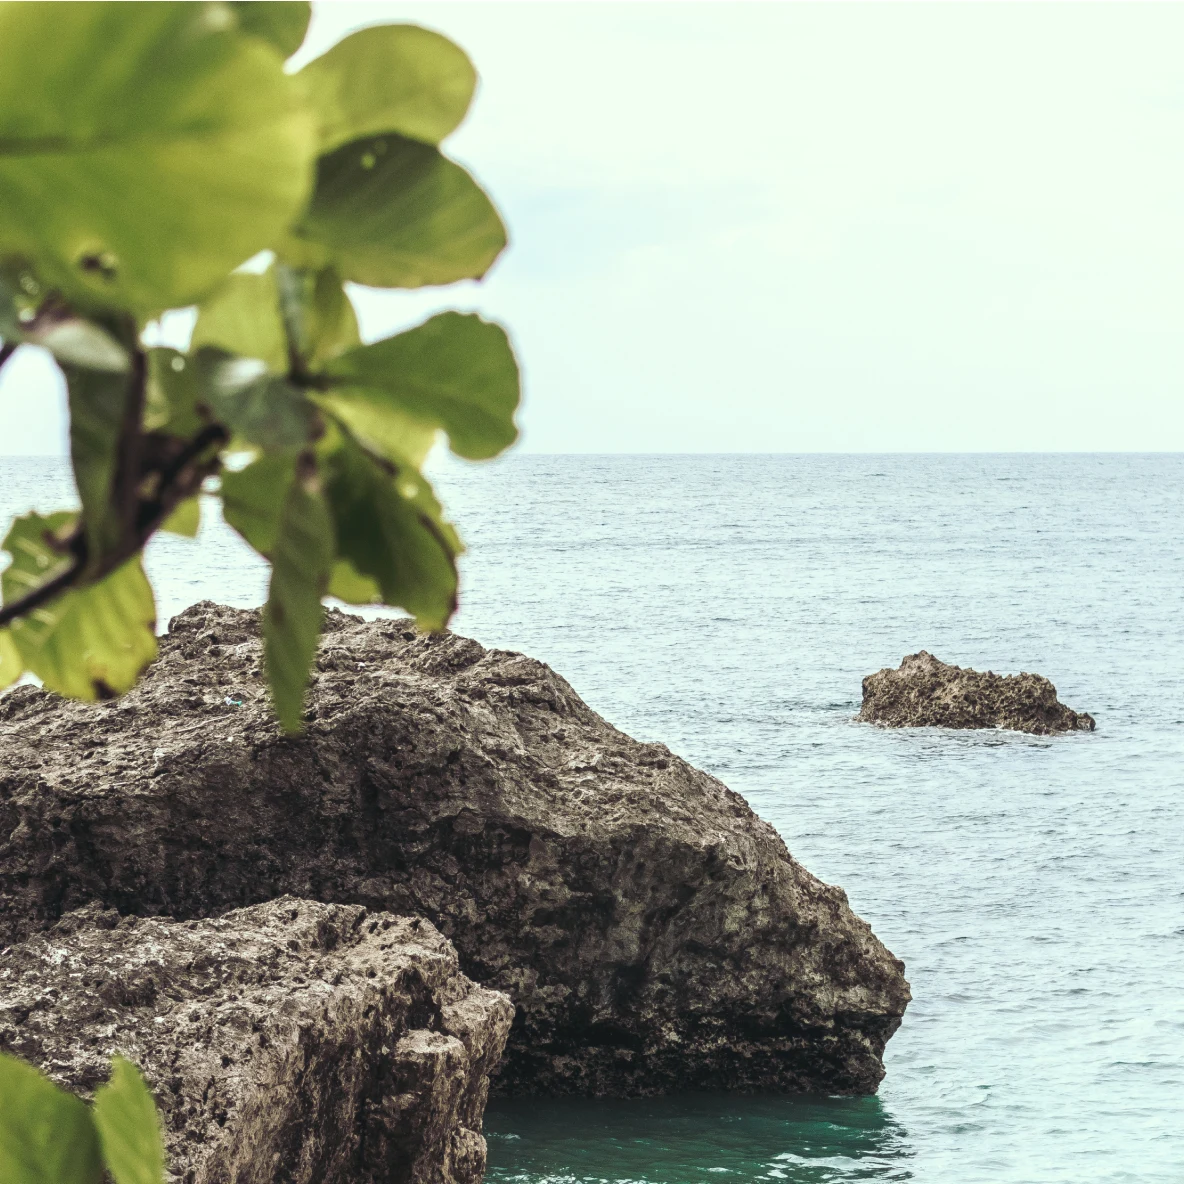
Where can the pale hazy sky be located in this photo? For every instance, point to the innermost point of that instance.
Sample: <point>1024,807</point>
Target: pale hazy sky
<point>800,227</point>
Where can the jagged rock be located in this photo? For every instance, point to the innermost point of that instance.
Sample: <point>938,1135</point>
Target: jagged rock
<point>653,932</point>
<point>292,1041</point>
<point>925,692</point>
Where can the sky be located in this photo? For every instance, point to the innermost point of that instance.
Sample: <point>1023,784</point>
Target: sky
<point>811,227</point>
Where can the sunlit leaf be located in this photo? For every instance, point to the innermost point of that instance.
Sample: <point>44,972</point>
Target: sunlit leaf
<point>11,666</point>
<point>329,323</point>
<point>258,407</point>
<point>47,1136</point>
<point>301,557</point>
<point>242,316</point>
<point>391,529</point>
<point>282,22</point>
<point>348,584</point>
<point>390,78</point>
<point>145,149</point>
<point>456,372</point>
<point>90,642</point>
<point>128,1126</point>
<point>394,213</point>
<point>185,519</point>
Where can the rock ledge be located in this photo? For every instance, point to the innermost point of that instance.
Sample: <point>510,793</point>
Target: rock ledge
<point>926,692</point>
<point>294,1041</point>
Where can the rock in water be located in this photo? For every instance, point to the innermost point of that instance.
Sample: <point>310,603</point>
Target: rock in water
<point>294,1041</point>
<point>925,692</point>
<point>653,932</point>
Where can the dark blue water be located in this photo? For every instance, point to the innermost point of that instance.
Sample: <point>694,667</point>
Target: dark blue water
<point>730,606</point>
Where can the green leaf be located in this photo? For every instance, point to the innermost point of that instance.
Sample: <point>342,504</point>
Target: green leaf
<point>77,342</point>
<point>348,584</point>
<point>394,213</point>
<point>301,557</point>
<point>259,408</point>
<point>128,1126</point>
<point>282,22</point>
<point>390,78</point>
<point>455,372</point>
<point>185,519</point>
<point>243,317</point>
<point>253,497</point>
<point>90,642</point>
<point>47,1136</point>
<point>390,529</point>
<point>329,324</point>
<point>145,149</point>
<point>11,666</point>
<point>172,395</point>
<point>98,406</point>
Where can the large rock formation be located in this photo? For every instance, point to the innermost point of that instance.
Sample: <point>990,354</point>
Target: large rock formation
<point>925,692</point>
<point>294,1041</point>
<point>653,932</point>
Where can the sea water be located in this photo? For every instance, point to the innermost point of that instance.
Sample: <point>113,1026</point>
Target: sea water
<point>729,606</point>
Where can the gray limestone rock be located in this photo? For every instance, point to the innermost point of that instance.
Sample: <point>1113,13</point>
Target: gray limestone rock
<point>926,692</point>
<point>291,1041</point>
<point>653,932</point>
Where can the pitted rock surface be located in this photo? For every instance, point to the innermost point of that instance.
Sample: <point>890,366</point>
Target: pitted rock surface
<point>926,692</point>
<point>292,1041</point>
<point>653,932</point>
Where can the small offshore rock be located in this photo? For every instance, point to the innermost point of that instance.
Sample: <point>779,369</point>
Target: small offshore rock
<point>926,692</point>
<point>290,1042</point>
<point>653,932</point>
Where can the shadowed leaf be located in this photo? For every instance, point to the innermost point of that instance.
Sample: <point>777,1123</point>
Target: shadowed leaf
<point>394,213</point>
<point>390,529</point>
<point>301,557</point>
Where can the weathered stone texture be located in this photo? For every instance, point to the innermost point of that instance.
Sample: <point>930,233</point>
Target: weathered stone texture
<point>926,692</point>
<point>291,1041</point>
<point>653,932</point>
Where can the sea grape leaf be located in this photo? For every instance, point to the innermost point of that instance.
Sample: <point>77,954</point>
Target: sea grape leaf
<point>348,584</point>
<point>11,666</point>
<point>145,149</point>
<point>282,22</point>
<point>258,407</point>
<point>129,1129</point>
<point>301,557</point>
<point>171,394</point>
<point>47,1136</point>
<point>391,529</point>
<point>98,406</point>
<point>455,371</point>
<point>394,213</point>
<point>328,322</point>
<point>390,78</point>
<point>185,519</point>
<point>380,424</point>
<point>242,316</point>
<point>90,642</point>
<point>253,497</point>
<point>79,342</point>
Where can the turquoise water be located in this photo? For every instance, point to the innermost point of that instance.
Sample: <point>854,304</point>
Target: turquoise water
<point>729,606</point>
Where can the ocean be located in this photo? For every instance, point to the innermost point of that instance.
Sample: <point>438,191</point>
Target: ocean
<point>729,606</point>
